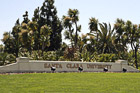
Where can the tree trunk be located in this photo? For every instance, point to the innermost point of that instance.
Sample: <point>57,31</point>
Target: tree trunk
<point>136,49</point>
<point>76,35</point>
<point>16,54</point>
<point>17,48</point>
<point>43,47</point>
<point>76,39</point>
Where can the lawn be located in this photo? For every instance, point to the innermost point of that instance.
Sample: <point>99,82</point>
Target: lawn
<point>70,83</point>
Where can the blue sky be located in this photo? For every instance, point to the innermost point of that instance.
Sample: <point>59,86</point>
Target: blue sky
<point>103,10</point>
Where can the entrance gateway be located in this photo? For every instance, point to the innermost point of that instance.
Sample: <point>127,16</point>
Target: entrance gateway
<point>25,65</point>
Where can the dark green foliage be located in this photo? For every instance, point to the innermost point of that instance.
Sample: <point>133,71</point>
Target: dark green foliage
<point>41,39</point>
<point>16,38</point>
<point>48,16</point>
<point>1,48</point>
<point>3,57</point>
<point>25,16</point>
<point>51,56</point>
<point>9,43</point>
<point>107,58</point>
<point>42,33</point>
<point>6,58</point>
<point>131,58</point>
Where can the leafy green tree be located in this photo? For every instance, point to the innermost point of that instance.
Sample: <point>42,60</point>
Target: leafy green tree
<point>32,35</point>
<point>1,48</point>
<point>127,33</point>
<point>3,57</point>
<point>28,33</point>
<point>9,43</point>
<point>121,37</point>
<point>134,37</point>
<point>45,37</point>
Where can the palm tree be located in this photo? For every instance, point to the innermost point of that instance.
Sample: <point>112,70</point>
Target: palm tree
<point>74,15</point>
<point>87,47</point>
<point>69,21</point>
<point>134,40</point>
<point>106,39</point>
<point>121,36</point>
<point>93,25</point>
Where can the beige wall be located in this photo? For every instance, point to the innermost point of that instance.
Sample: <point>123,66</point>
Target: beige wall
<point>25,65</point>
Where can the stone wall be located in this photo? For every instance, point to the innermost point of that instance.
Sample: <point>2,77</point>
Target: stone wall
<point>26,65</point>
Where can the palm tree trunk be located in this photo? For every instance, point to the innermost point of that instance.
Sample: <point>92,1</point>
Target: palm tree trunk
<point>76,35</point>
<point>71,37</point>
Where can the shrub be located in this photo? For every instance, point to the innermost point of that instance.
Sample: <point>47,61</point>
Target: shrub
<point>50,55</point>
<point>107,58</point>
<point>72,54</point>
<point>6,58</point>
<point>11,58</point>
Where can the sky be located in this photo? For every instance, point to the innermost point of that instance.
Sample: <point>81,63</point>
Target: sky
<point>104,10</point>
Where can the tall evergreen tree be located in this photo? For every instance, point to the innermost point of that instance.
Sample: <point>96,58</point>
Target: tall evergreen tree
<point>36,20</point>
<point>25,16</point>
<point>9,43</point>
<point>48,16</point>
<point>15,32</point>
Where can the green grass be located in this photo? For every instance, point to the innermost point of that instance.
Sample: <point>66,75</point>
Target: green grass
<point>71,83</point>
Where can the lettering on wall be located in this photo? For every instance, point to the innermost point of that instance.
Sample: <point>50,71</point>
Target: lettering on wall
<point>97,66</point>
<point>75,66</point>
<point>46,65</point>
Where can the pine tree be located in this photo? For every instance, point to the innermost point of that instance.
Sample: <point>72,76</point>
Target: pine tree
<point>25,16</point>
<point>48,16</point>
<point>16,39</point>
<point>36,20</point>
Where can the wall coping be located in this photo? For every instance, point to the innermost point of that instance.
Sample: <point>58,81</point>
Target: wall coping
<point>123,62</point>
<point>23,59</point>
